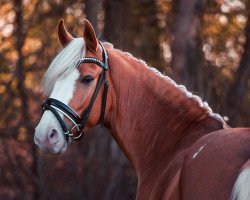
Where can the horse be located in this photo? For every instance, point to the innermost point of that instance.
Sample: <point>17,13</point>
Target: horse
<point>179,148</point>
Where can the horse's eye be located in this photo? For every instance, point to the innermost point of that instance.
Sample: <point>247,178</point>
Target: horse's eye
<point>87,79</point>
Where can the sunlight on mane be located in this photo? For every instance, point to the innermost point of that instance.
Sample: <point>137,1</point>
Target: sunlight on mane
<point>63,63</point>
<point>182,88</point>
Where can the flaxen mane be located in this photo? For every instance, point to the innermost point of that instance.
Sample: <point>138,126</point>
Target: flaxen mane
<point>63,64</point>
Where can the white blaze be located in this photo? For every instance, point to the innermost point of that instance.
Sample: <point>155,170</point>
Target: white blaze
<point>63,91</point>
<point>59,83</point>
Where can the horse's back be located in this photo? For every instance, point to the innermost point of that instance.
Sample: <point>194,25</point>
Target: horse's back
<point>213,163</point>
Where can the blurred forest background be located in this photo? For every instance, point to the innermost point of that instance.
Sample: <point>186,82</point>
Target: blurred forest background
<point>203,44</point>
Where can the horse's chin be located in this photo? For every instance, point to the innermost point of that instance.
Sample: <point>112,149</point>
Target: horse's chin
<point>55,150</point>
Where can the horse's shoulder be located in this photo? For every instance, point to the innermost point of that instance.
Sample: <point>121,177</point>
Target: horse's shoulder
<point>223,141</point>
<point>214,160</point>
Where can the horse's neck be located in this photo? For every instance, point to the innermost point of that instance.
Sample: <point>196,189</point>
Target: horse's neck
<point>150,117</point>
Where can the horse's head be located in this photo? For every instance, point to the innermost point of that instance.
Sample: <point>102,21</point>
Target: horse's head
<point>76,83</point>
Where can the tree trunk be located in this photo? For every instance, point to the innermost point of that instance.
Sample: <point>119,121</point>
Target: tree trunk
<point>91,9</point>
<point>133,26</point>
<point>186,47</point>
<point>238,90</point>
<point>20,77</point>
<point>116,22</point>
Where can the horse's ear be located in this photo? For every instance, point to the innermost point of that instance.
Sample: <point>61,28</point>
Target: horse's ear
<point>89,36</point>
<point>64,36</point>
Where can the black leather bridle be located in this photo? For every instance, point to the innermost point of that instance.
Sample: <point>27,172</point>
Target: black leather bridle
<point>55,106</point>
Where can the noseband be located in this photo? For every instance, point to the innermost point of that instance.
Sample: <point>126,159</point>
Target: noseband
<point>56,106</point>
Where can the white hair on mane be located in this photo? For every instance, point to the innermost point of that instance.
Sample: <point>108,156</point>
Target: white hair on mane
<point>63,64</point>
<point>201,103</point>
<point>182,88</point>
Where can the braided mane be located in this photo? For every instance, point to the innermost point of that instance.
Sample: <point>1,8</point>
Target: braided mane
<point>182,88</point>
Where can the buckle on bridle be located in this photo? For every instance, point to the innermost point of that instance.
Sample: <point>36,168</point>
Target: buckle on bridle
<point>76,132</point>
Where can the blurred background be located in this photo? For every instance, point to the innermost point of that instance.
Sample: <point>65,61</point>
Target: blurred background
<point>203,44</point>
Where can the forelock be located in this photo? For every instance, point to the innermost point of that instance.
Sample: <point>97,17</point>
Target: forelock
<point>63,64</point>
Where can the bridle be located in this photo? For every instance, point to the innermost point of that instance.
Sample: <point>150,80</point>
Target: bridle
<point>56,106</point>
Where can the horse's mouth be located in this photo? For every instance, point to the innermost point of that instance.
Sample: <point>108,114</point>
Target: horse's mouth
<point>63,148</point>
<point>54,150</point>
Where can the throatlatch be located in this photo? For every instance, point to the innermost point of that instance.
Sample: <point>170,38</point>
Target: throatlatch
<point>56,106</point>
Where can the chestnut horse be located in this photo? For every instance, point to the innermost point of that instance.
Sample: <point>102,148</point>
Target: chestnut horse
<point>179,148</point>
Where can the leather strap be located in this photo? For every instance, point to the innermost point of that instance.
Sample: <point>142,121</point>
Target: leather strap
<point>47,106</point>
<point>64,108</point>
<point>89,108</point>
<point>104,100</point>
<point>91,60</point>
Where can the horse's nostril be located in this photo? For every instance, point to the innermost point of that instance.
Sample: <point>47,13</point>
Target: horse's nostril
<point>52,133</point>
<point>53,136</point>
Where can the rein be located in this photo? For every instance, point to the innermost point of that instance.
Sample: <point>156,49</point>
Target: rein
<point>56,106</point>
